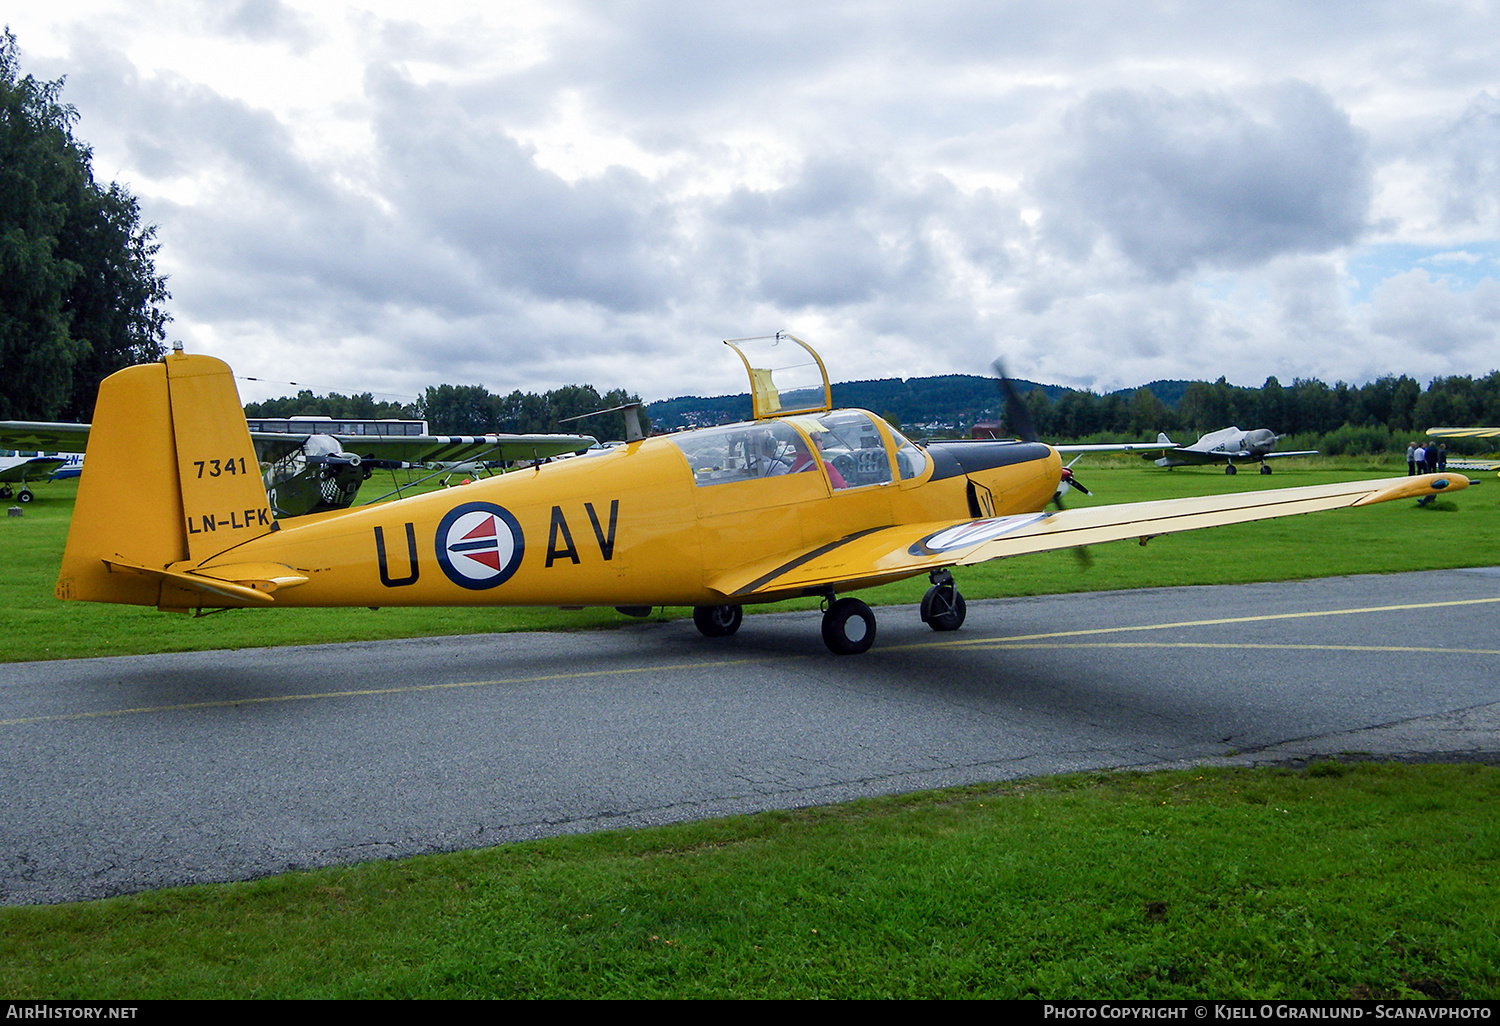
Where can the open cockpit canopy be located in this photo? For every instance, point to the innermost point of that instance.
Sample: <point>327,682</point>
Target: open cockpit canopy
<point>786,375</point>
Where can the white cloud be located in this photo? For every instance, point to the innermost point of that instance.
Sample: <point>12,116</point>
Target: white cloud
<point>1180,183</point>
<point>526,195</point>
<point>1432,322</point>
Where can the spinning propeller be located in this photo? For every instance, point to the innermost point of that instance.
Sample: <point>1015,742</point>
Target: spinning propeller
<point>1018,418</point>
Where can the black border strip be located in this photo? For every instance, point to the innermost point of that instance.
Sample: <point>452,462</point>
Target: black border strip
<point>806,557</point>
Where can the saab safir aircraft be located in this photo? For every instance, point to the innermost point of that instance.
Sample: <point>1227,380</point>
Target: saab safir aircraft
<point>1227,446</point>
<point>803,500</point>
<point>317,464</point>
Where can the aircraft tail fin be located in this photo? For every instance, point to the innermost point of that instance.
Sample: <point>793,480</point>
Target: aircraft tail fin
<point>1162,439</point>
<point>172,480</point>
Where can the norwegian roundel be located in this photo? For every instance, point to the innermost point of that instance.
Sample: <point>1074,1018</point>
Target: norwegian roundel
<point>479,545</point>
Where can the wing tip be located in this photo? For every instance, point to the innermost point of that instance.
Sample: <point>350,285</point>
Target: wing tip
<point>1415,488</point>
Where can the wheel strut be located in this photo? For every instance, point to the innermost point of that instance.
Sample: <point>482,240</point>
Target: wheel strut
<point>943,608</point>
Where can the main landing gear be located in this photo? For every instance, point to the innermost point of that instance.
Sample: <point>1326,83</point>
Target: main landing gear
<point>1264,469</point>
<point>23,496</point>
<point>1230,468</point>
<point>717,621</point>
<point>848,627</point>
<point>848,623</point>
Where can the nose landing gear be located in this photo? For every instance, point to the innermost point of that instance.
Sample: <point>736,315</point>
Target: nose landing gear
<point>943,608</point>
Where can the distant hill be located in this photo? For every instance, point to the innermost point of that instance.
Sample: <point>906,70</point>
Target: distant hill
<point>1169,392</point>
<point>945,400</point>
<point>1379,416</point>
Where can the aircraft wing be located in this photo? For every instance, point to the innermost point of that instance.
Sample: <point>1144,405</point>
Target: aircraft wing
<point>31,470</point>
<point>43,437</point>
<point>891,553</point>
<point>1197,456</point>
<point>459,448</point>
<point>272,445</point>
<point>1184,455</point>
<point>1469,432</point>
<point>1141,447</point>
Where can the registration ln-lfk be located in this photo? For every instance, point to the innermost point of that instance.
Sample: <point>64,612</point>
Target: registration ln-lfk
<point>802,500</point>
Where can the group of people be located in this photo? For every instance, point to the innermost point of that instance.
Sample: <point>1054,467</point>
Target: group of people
<point>1427,459</point>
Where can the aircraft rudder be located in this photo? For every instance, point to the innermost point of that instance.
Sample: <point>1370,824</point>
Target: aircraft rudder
<point>129,503</point>
<point>223,499</point>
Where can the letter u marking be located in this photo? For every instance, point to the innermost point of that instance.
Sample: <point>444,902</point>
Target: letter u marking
<point>411,556</point>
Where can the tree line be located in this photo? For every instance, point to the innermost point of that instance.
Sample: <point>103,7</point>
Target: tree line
<point>471,410</point>
<point>1380,416</point>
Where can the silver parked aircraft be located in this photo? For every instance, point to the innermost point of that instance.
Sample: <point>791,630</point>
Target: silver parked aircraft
<point>1229,446</point>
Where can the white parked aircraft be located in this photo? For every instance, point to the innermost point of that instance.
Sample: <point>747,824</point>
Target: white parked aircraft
<point>1228,446</point>
<point>18,467</point>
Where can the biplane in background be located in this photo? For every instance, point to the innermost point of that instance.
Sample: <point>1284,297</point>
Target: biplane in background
<point>317,464</point>
<point>802,500</point>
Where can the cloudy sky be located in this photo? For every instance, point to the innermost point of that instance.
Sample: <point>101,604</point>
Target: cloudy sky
<point>382,195</point>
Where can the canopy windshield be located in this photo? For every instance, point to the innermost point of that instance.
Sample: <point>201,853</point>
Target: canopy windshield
<point>786,375</point>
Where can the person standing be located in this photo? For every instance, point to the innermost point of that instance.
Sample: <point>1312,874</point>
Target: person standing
<point>1411,459</point>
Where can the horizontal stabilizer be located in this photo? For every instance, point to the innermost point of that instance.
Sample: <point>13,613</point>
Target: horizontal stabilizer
<point>264,577</point>
<point>247,582</point>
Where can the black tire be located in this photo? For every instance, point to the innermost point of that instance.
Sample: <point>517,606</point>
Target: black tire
<point>848,627</point>
<point>943,608</point>
<point>5,492</point>
<point>24,495</point>
<point>1229,469</point>
<point>717,621</point>
<point>1264,469</point>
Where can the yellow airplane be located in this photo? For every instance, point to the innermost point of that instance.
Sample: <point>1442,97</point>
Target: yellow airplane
<point>803,500</point>
<point>1468,463</point>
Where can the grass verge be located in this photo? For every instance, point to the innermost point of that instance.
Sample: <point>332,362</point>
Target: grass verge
<point>1340,881</point>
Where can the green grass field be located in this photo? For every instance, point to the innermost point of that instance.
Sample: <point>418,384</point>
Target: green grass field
<point>1337,881</point>
<point>1461,531</point>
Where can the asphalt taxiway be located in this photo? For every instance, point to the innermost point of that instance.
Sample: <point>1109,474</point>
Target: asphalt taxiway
<point>126,774</point>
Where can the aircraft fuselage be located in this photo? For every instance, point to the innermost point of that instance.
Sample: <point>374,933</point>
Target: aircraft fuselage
<point>635,526</point>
